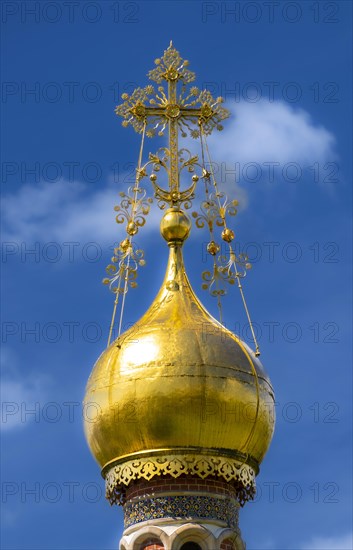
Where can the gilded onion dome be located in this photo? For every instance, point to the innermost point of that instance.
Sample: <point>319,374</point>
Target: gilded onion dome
<point>178,393</point>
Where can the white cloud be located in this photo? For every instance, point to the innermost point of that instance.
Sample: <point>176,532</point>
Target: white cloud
<point>272,132</point>
<point>63,212</point>
<point>60,211</point>
<point>71,211</point>
<point>19,397</point>
<point>19,394</point>
<point>344,542</point>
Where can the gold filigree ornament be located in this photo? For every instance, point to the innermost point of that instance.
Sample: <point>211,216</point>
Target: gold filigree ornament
<point>213,214</point>
<point>124,267</point>
<point>214,211</point>
<point>236,265</point>
<point>227,268</point>
<point>133,209</point>
<point>232,470</point>
<point>186,162</point>
<point>189,109</point>
<point>171,67</point>
<point>214,281</point>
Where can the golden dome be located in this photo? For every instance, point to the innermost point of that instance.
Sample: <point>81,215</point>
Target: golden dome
<point>178,382</point>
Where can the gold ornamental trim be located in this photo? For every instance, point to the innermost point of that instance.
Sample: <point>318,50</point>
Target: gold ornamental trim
<point>119,476</point>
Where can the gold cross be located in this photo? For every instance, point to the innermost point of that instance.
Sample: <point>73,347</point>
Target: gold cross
<point>191,112</point>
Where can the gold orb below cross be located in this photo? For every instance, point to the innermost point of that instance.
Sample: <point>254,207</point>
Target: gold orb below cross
<point>175,226</point>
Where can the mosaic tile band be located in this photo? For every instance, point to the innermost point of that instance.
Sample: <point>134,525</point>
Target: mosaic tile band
<point>182,507</point>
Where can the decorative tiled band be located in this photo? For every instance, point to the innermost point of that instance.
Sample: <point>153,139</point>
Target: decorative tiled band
<point>182,507</point>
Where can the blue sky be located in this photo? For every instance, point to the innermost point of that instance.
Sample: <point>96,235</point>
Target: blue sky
<point>285,71</point>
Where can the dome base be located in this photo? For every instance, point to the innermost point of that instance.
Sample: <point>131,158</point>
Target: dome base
<point>120,474</point>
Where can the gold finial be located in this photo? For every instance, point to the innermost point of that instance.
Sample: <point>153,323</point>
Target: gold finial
<point>180,109</point>
<point>175,226</point>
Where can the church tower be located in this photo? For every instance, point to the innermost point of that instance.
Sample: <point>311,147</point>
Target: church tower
<point>186,407</point>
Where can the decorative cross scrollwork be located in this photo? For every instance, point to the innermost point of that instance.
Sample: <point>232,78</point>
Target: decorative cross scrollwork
<point>176,108</point>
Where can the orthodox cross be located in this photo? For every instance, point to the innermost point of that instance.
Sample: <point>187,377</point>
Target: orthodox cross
<point>192,112</point>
